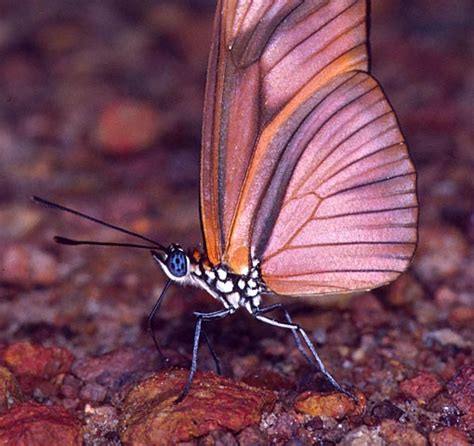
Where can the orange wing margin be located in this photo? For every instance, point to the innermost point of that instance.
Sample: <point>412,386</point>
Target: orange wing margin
<point>267,58</point>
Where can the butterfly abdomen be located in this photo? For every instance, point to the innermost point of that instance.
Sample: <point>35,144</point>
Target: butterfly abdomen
<point>233,290</point>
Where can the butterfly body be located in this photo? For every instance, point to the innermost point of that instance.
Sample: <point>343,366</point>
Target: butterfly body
<point>232,290</point>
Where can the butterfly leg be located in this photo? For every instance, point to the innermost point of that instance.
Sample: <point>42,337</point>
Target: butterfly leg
<point>294,332</point>
<point>200,317</point>
<point>213,353</point>
<point>296,328</point>
<point>151,316</point>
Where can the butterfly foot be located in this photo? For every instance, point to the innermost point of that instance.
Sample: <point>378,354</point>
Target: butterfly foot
<point>182,395</point>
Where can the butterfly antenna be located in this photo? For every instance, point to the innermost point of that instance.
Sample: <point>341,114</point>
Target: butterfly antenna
<point>67,241</point>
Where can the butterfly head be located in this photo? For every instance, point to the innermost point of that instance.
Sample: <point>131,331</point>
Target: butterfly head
<point>174,262</point>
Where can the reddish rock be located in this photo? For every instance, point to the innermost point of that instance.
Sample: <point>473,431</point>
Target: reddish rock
<point>441,251</point>
<point>17,221</point>
<point>445,296</point>
<point>26,266</point>
<point>426,312</point>
<point>10,393</point>
<point>401,434</point>
<point>404,291</point>
<point>449,436</point>
<point>336,405</point>
<point>368,311</point>
<point>462,315</point>
<point>34,424</point>
<point>422,387</point>
<point>127,126</point>
<point>151,416</point>
<point>113,369</point>
<point>25,359</point>
<point>461,390</point>
<point>267,379</point>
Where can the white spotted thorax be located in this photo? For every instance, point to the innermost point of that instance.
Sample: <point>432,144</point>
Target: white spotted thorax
<point>232,290</point>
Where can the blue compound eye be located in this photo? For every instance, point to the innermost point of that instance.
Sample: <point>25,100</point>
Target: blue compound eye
<point>177,263</point>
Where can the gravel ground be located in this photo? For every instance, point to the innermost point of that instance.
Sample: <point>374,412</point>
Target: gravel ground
<point>100,109</point>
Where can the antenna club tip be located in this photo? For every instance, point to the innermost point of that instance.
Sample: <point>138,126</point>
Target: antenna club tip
<point>63,241</point>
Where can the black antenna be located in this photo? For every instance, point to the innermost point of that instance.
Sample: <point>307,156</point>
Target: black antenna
<point>71,242</point>
<point>67,241</point>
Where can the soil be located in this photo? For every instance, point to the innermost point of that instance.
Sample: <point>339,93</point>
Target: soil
<point>100,110</point>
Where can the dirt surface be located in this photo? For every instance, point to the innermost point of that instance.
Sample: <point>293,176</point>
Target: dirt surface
<point>100,110</point>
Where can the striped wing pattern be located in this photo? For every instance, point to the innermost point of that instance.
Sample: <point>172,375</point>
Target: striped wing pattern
<point>303,163</point>
<point>266,57</point>
<point>352,187</point>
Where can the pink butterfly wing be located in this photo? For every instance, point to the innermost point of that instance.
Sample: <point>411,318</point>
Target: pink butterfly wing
<point>266,59</point>
<point>348,217</point>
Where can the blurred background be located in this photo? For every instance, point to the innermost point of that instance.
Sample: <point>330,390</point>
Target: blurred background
<point>100,110</point>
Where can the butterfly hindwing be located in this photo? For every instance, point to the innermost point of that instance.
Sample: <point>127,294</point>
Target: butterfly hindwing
<point>351,187</point>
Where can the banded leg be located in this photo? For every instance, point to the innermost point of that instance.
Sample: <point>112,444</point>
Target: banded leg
<point>151,330</point>
<point>200,317</point>
<point>213,353</point>
<point>294,332</point>
<point>297,329</point>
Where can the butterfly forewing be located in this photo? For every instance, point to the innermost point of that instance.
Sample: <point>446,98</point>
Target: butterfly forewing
<point>266,58</point>
<point>303,163</point>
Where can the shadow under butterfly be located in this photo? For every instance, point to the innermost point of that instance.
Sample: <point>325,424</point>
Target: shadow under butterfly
<point>307,187</point>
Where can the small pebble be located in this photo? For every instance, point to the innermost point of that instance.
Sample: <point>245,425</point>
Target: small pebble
<point>368,311</point>
<point>362,436</point>
<point>446,336</point>
<point>335,405</point>
<point>449,436</point>
<point>404,291</point>
<point>252,436</point>
<point>462,315</point>
<point>127,126</point>
<point>440,253</point>
<point>26,266</point>
<point>10,392</point>
<point>461,390</point>
<point>401,434</point>
<point>93,392</point>
<point>387,410</point>
<point>422,387</point>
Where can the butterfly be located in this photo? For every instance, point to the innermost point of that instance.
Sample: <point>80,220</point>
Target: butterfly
<point>306,184</point>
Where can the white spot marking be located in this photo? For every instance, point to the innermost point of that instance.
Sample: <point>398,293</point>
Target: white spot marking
<point>252,292</point>
<point>225,287</point>
<point>234,299</point>
<point>211,274</point>
<point>241,284</point>
<point>222,274</point>
<point>251,283</point>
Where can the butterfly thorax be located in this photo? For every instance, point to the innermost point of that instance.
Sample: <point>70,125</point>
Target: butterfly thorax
<point>231,289</point>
